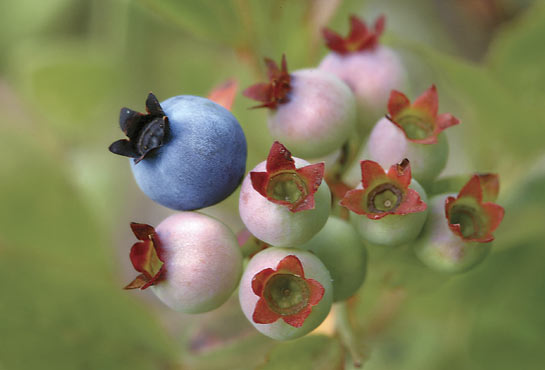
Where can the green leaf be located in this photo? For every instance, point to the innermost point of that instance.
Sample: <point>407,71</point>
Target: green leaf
<point>19,19</point>
<point>313,352</point>
<point>69,85</point>
<point>517,56</point>
<point>41,210</point>
<point>208,19</point>
<point>61,315</point>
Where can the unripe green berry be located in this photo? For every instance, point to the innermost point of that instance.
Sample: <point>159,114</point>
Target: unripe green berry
<point>442,250</point>
<point>340,248</point>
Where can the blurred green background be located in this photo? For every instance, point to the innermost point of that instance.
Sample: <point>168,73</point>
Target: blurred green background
<point>68,66</point>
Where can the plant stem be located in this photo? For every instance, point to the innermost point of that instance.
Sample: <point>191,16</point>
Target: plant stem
<point>344,329</point>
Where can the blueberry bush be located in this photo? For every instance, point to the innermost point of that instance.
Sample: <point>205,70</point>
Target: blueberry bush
<point>299,184</point>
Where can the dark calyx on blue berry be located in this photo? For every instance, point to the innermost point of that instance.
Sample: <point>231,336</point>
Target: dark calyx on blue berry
<point>146,132</point>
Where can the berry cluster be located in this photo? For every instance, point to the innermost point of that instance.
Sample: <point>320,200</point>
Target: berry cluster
<point>311,222</point>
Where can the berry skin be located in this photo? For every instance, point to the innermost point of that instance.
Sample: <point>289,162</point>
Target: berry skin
<point>285,293</point>
<point>412,131</point>
<point>201,160</point>
<point>390,208</point>
<point>371,70</point>
<point>340,248</point>
<point>312,112</point>
<point>458,234</point>
<point>283,201</point>
<point>199,263</point>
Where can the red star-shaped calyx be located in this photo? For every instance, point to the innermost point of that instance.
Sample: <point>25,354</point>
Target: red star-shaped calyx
<point>420,120</point>
<point>286,185</point>
<point>274,92</point>
<point>384,193</point>
<point>472,215</point>
<point>359,38</point>
<point>146,257</point>
<point>284,293</point>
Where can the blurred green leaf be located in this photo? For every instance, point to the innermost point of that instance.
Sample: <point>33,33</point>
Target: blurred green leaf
<point>208,19</point>
<point>517,55</point>
<point>41,209</point>
<point>19,19</point>
<point>69,84</point>
<point>313,352</point>
<point>58,315</point>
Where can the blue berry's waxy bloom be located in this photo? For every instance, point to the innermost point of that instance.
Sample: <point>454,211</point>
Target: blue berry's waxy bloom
<point>311,111</point>
<point>198,161</point>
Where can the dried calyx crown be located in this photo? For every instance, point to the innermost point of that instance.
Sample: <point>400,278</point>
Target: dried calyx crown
<point>145,132</point>
<point>274,92</point>
<point>359,38</point>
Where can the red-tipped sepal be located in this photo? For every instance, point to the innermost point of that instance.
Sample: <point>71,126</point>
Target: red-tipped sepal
<point>302,183</point>
<point>471,215</point>
<point>359,38</point>
<point>146,257</point>
<point>271,94</point>
<point>419,121</point>
<point>384,193</point>
<point>311,294</point>
<point>224,94</point>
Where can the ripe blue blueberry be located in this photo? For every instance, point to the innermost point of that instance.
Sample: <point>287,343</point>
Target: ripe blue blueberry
<point>189,152</point>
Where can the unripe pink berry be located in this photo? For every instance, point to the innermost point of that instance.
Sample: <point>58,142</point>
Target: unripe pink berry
<point>285,293</point>
<point>370,69</point>
<point>195,261</point>
<point>274,223</point>
<point>371,74</point>
<point>412,131</point>
<point>311,111</point>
